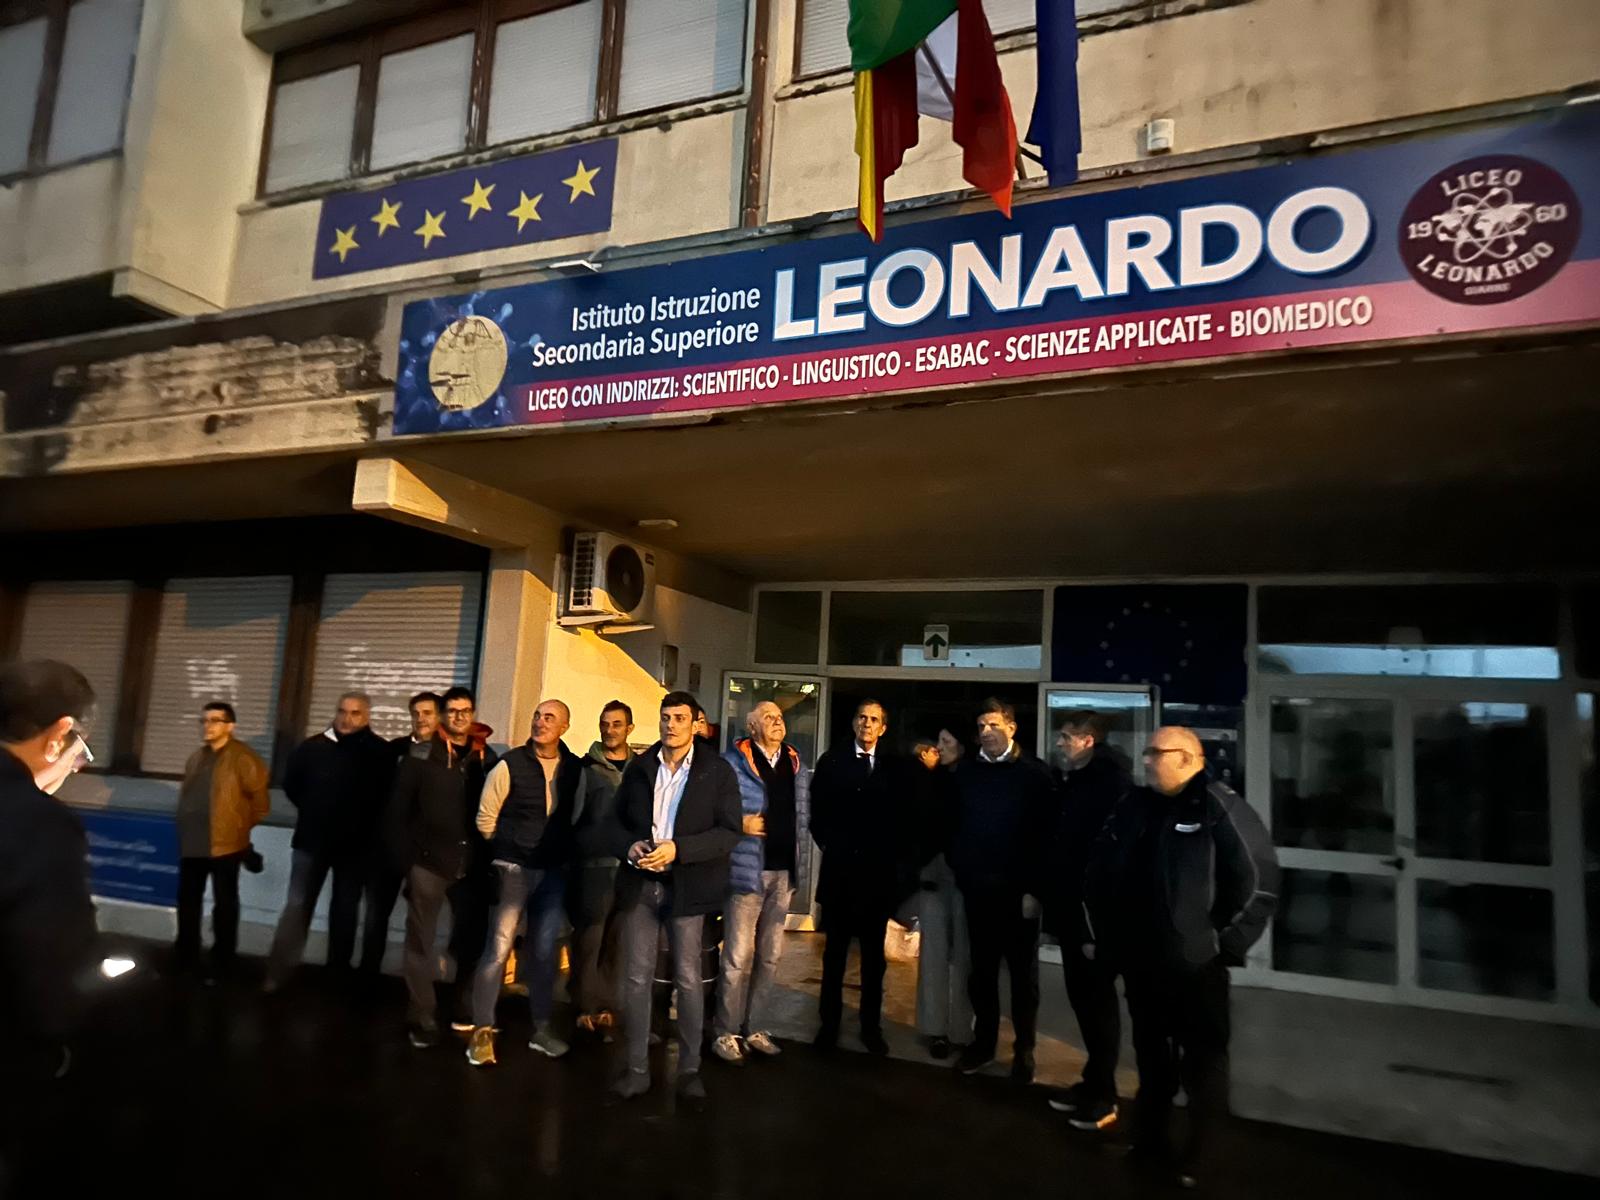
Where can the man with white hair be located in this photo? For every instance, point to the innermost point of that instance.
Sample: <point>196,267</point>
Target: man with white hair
<point>773,790</point>
<point>1182,881</point>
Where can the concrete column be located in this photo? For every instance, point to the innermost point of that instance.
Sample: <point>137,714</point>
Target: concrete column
<point>518,615</point>
<point>525,551</point>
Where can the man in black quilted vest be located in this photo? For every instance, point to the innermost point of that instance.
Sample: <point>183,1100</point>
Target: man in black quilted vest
<point>530,801</point>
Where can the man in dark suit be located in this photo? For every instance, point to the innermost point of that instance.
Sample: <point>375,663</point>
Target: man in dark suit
<point>858,795</point>
<point>678,819</point>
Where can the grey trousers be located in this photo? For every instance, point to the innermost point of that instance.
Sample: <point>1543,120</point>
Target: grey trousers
<point>944,962</point>
<point>752,944</point>
<point>642,922</point>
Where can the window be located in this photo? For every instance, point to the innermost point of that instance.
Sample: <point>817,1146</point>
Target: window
<point>422,102</point>
<point>825,45</point>
<point>67,65</point>
<point>486,72</point>
<point>311,129</point>
<point>788,626</point>
<point>679,50</point>
<point>1477,631</point>
<point>997,630</point>
<point>546,70</point>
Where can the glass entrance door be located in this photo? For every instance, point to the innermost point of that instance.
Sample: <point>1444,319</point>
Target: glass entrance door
<point>1413,824</point>
<point>801,699</point>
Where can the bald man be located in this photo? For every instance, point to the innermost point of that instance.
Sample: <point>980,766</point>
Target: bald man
<point>773,787</point>
<point>1180,885</point>
<point>530,802</point>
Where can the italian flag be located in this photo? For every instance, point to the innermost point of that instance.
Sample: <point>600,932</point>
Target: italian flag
<point>935,57</point>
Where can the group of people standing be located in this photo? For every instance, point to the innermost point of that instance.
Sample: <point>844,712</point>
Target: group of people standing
<point>1165,885</point>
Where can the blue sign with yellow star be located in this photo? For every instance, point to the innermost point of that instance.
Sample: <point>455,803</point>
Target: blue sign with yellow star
<point>514,202</point>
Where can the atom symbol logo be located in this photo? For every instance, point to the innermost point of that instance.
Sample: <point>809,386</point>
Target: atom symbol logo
<point>1490,229</point>
<point>1490,225</point>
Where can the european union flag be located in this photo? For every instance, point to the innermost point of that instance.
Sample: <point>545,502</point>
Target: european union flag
<point>514,202</point>
<point>1187,639</point>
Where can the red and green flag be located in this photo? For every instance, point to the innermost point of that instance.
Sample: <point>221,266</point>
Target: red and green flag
<point>935,57</point>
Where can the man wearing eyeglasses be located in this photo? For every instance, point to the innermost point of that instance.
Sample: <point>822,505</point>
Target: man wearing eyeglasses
<point>46,917</point>
<point>1182,881</point>
<point>223,797</point>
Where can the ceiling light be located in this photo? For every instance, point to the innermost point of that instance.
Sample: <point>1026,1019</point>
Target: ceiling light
<point>658,523</point>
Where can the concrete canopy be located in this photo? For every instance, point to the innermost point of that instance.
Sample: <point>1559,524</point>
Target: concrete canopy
<point>1441,459</point>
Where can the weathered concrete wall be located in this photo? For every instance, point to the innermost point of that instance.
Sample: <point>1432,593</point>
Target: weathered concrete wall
<point>62,225</point>
<point>673,180</point>
<point>1231,74</point>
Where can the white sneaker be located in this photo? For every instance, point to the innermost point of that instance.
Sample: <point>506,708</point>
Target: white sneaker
<point>761,1042</point>
<point>728,1049</point>
<point>547,1043</point>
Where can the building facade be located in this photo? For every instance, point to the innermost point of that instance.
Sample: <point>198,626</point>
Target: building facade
<point>328,326</point>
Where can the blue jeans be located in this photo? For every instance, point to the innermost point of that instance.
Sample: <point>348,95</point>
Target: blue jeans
<point>307,873</point>
<point>541,893</point>
<point>642,923</point>
<point>752,944</point>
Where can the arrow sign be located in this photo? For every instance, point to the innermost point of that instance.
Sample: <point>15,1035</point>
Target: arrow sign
<point>936,643</point>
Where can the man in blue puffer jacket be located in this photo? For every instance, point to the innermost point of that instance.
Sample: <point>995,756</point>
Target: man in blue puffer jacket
<point>773,788</point>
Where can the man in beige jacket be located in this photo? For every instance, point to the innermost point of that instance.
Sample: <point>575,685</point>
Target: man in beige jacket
<point>223,797</point>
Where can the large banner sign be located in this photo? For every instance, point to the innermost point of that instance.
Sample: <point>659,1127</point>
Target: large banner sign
<point>1456,233</point>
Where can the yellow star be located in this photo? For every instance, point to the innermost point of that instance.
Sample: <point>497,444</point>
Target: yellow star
<point>479,200</point>
<point>581,181</point>
<point>527,211</point>
<point>388,217</point>
<point>344,241</point>
<point>432,227</point>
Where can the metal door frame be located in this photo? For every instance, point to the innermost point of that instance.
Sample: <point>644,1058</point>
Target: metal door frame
<point>1563,877</point>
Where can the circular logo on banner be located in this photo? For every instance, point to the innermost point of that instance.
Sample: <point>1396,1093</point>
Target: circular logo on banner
<point>1490,229</point>
<point>467,364</point>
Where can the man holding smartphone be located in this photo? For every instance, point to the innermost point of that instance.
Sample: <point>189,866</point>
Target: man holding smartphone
<point>678,819</point>
<point>47,925</point>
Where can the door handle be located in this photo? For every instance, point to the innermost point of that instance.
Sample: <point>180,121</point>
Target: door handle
<point>1398,863</point>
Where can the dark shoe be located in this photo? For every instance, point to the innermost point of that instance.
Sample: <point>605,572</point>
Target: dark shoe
<point>1022,1067</point>
<point>939,1048</point>
<point>872,1041</point>
<point>825,1040</point>
<point>1069,1099</point>
<point>1094,1115</point>
<point>1157,1168</point>
<point>974,1059</point>
<point>423,1037</point>
<point>632,1084</point>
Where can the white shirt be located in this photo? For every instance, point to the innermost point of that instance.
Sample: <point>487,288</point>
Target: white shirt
<point>984,754</point>
<point>772,759</point>
<point>669,794</point>
<point>872,756</point>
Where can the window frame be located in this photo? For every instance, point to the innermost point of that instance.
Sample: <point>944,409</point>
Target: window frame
<point>55,14</point>
<point>366,47</point>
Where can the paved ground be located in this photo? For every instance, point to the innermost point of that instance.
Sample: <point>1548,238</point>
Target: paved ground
<point>194,1091</point>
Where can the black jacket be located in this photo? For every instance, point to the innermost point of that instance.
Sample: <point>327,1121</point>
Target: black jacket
<point>865,825</point>
<point>47,928</point>
<point>431,815</point>
<point>524,832</point>
<point>1180,880</point>
<point>1085,800</point>
<point>1003,821</point>
<point>709,825</point>
<point>339,785</point>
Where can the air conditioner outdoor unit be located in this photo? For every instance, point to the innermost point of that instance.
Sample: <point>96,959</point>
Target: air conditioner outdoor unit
<point>612,583</point>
